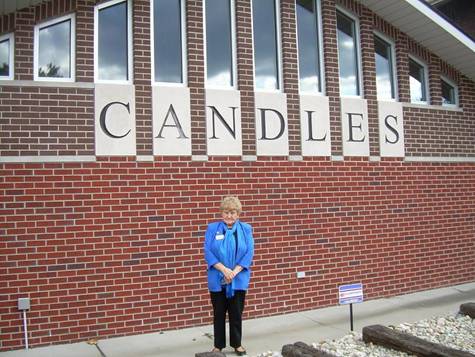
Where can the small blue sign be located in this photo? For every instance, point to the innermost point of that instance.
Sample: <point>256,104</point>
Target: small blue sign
<point>350,294</point>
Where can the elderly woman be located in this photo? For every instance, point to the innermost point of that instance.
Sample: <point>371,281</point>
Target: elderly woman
<point>229,249</point>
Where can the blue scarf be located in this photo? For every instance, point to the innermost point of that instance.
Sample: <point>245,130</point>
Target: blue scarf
<point>227,255</point>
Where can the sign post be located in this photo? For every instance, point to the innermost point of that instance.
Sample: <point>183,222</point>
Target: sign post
<point>350,294</point>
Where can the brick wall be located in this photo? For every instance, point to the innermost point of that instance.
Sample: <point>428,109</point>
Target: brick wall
<point>46,121</point>
<point>114,246</point>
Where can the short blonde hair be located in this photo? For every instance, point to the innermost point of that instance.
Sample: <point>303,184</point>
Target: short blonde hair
<point>230,203</point>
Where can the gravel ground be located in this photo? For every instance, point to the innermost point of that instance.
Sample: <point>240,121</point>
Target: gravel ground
<point>452,331</point>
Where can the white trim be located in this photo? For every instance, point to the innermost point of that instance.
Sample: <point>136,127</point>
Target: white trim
<point>184,44</point>
<point>278,31</point>
<point>456,92</point>
<point>392,45</point>
<point>130,66</point>
<point>46,84</point>
<point>144,158</point>
<point>184,61</point>
<point>356,20</point>
<point>249,158</point>
<point>280,81</point>
<point>431,107</point>
<point>321,68</point>
<point>93,158</point>
<point>320,44</point>
<point>72,54</point>
<point>11,55</point>
<point>199,157</point>
<point>234,78</point>
<point>65,158</point>
<point>426,80</point>
<point>443,23</point>
<point>449,159</point>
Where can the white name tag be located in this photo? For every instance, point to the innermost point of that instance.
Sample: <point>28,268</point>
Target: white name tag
<point>219,236</point>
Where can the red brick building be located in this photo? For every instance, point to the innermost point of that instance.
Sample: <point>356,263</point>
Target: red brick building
<point>346,128</point>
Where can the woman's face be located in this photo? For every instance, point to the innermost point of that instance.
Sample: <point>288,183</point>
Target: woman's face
<point>230,216</point>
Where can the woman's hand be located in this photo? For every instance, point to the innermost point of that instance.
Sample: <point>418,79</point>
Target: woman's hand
<point>237,269</point>
<point>228,273</point>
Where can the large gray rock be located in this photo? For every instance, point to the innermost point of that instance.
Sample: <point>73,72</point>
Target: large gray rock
<point>301,349</point>
<point>468,309</point>
<point>210,354</point>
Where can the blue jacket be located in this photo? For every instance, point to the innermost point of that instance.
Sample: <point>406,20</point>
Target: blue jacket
<point>244,255</point>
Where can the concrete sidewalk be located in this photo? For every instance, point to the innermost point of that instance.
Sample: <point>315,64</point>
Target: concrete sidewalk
<point>271,333</point>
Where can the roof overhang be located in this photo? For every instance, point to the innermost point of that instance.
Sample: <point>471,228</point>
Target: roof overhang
<point>420,22</point>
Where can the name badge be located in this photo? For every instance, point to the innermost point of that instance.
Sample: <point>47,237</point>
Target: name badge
<point>219,236</point>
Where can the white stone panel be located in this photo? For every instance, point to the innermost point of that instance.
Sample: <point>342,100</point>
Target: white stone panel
<point>171,121</point>
<point>223,122</point>
<point>114,112</point>
<point>354,123</point>
<point>391,129</point>
<point>315,125</point>
<point>272,135</point>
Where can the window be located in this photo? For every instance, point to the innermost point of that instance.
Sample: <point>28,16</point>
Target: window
<point>6,56</point>
<point>168,41</point>
<point>309,45</point>
<point>385,83</point>
<point>417,82</point>
<point>449,92</point>
<point>348,55</point>
<point>266,44</point>
<point>113,52</point>
<point>219,43</point>
<point>54,50</point>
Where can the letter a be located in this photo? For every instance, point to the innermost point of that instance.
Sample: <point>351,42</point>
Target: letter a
<point>181,134</point>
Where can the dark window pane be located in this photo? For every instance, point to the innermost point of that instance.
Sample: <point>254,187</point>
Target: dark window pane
<point>309,61</point>
<point>448,93</point>
<point>218,43</point>
<point>265,44</point>
<point>384,69</point>
<point>4,58</point>
<point>54,50</point>
<point>417,82</point>
<point>113,53</point>
<point>167,41</point>
<point>347,56</point>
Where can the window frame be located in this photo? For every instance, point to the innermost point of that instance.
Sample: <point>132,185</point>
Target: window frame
<point>280,80</point>
<point>184,68</point>
<point>233,49</point>
<point>321,61</point>
<point>425,67</point>
<point>359,64</point>
<point>392,44</point>
<point>130,65</point>
<point>11,55</point>
<point>456,92</point>
<point>72,39</point>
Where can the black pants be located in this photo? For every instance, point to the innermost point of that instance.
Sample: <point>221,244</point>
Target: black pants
<point>234,307</point>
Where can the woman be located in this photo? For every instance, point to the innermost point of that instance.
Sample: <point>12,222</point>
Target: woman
<point>229,249</point>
